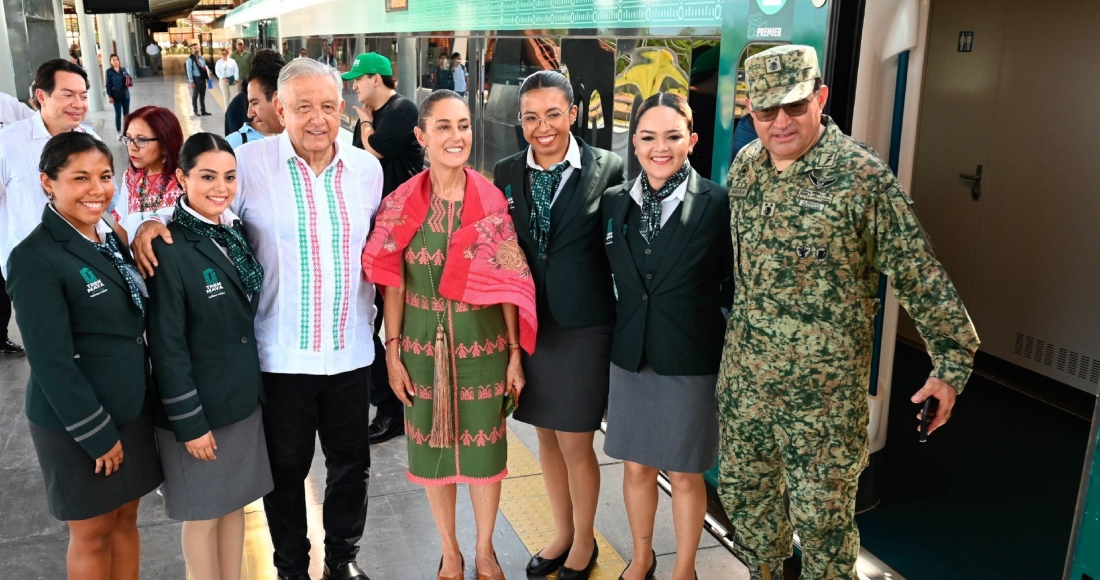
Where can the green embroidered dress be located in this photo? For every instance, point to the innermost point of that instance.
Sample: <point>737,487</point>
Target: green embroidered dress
<point>478,359</point>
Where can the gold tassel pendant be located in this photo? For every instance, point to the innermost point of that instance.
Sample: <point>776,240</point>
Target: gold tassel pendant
<point>442,410</point>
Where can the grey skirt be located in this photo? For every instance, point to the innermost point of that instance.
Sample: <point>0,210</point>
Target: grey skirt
<point>204,490</point>
<point>566,378</point>
<point>670,423</point>
<point>75,492</point>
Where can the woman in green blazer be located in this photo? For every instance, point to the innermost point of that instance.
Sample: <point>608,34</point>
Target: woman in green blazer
<point>554,186</point>
<point>80,306</point>
<point>669,245</point>
<point>203,346</point>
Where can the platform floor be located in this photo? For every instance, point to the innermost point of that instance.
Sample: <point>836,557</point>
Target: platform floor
<point>400,542</point>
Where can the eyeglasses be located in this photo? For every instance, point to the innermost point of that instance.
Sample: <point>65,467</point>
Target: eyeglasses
<point>532,121</point>
<point>795,109</point>
<point>139,142</point>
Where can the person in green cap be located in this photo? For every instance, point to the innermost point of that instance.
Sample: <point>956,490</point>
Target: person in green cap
<point>817,218</point>
<point>385,130</point>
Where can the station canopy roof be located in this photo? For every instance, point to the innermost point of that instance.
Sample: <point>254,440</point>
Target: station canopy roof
<point>171,10</point>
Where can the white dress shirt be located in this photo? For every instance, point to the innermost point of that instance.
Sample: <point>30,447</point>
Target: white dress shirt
<point>226,218</point>
<point>315,310</point>
<point>668,204</point>
<point>12,110</point>
<point>21,195</point>
<point>226,68</point>
<point>152,49</point>
<point>572,155</point>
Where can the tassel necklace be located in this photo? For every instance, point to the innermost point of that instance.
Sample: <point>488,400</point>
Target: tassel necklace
<point>442,394</point>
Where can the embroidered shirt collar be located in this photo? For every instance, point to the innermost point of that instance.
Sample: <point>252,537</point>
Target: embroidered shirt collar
<point>227,217</point>
<point>286,152</point>
<point>676,196</point>
<point>572,155</point>
<point>101,227</point>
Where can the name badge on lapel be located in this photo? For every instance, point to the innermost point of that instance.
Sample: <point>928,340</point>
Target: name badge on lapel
<point>610,237</point>
<point>508,196</point>
<point>214,288</point>
<point>94,284</point>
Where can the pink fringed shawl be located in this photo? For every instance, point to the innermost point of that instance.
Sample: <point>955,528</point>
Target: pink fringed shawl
<point>485,264</point>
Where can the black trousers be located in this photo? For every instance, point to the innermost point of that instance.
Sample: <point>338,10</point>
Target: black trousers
<point>5,311</point>
<point>300,407</point>
<point>198,96</point>
<point>381,396</point>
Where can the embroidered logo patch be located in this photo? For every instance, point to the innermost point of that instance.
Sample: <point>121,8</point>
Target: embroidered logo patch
<point>827,159</point>
<point>213,286</point>
<point>94,284</point>
<point>821,254</point>
<point>508,195</point>
<point>821,182</point>
<point>803,252</point>
<point>739,191</point>
<point>768,209</point>
<point>815,200</point>
<point>773,64</point>
<point>610,233</point>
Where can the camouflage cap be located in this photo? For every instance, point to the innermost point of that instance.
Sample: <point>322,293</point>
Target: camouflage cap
<point>781,75</point>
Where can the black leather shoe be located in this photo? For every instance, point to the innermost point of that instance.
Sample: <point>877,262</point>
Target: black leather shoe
<point>567,573</point>
<point>205,114</point>
<point>652,569</point>
<point>385,429</point>
<point>295,577</point>
<point>9,348</point>
<point>345,571</point>
<point>539,566</point>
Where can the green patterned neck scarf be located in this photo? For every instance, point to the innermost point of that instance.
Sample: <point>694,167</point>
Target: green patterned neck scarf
<point>651,200</point>
<point>542,193</point>
<point>110,250</point>
<point>229,237</point>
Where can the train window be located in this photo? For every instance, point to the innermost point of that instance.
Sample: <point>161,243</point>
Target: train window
<point>645,67</point>
<point>590,65</point>
<point>703,100</point>
<point>509,60</point>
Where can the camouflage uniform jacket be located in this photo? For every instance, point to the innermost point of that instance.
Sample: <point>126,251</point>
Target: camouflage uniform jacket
<point>809,246</point>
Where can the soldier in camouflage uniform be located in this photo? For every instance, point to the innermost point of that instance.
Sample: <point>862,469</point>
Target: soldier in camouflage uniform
<point>816,218</point>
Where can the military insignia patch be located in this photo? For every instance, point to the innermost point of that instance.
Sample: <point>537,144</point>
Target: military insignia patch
<point>803,252</point>
<point>815,200</point>
<point>827,159</point>
<point>821,182</point>
<point>773,64</point>
<point>739,191</point>
<point>768,209</point>
<point>821,254</point>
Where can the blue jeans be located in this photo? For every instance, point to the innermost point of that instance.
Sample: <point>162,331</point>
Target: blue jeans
<point>122,108</point>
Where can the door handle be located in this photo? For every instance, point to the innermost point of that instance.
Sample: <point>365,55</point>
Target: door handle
<point>976,183</point>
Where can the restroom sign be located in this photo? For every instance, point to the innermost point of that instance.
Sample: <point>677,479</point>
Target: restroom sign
<point>966,41</point>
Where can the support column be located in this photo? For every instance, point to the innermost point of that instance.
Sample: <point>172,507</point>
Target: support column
<point>88,57</point>
<point>7,77</point>
<point>121,27</point>
<point>106,43</point>
<point>62,35</point>
<point>407,67</point>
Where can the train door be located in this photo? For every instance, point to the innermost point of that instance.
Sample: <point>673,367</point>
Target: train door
<point>1006,143</point>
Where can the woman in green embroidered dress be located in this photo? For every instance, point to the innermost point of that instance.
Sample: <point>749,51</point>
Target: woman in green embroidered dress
<point>479,347</point>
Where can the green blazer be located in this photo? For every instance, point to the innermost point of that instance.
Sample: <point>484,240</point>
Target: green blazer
<point>83,335</point>
<point>573,277</point>
<point>201,338</point>
<point>674,318</point>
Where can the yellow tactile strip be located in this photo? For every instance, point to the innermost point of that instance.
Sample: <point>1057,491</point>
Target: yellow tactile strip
<point>524,503</point>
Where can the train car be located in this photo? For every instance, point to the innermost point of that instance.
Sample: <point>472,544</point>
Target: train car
<point>978,106</point>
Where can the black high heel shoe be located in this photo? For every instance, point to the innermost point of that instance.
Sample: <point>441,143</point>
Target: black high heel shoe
<point>567,573</point>
<point>539,566</point>
<point>652,568</point>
